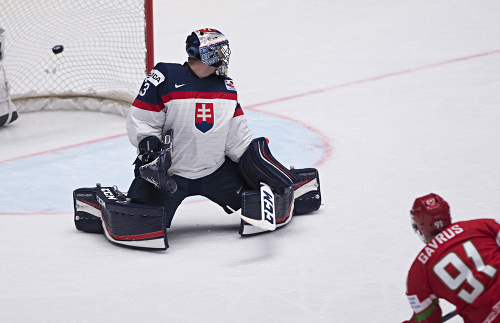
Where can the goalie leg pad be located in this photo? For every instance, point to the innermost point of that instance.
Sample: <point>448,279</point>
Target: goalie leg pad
<point>308,191</point>
<point>124,223</point>
<point>87,210</point>
<point>251,208</point>
<point>257,165</point>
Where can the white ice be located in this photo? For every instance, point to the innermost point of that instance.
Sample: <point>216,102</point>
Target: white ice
<point>389,99</point>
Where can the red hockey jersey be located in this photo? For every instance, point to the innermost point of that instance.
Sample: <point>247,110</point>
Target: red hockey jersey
<point>459,265</point>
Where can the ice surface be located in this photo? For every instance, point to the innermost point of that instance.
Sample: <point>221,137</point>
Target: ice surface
<point>390,100</point>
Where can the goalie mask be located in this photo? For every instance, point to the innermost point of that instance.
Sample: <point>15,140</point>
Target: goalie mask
<point>430,214</point>
<point>211,47</point>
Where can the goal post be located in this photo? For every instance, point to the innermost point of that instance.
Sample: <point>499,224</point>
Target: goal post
<point>78,54</point>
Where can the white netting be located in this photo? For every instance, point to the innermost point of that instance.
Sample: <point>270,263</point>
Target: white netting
<point>104,54</point>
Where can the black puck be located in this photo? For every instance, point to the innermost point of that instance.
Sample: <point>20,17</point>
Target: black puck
<point>57,49</point>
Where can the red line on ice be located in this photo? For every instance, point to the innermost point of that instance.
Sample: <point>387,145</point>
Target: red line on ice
<point>253,107</point>
<point>62,148</point>
<point>325,139</point>
<point>376,78</point>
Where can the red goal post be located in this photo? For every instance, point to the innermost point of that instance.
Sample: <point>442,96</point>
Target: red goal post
<point>78,54</point>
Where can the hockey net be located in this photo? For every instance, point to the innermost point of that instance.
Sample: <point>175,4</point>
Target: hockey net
<point>107,51</point>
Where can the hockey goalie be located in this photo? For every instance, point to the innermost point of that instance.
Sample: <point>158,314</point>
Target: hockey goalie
<point>192,139</point>
<point>8,112</point>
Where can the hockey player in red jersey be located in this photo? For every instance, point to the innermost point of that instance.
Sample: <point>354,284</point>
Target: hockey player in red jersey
<point>459,263</point>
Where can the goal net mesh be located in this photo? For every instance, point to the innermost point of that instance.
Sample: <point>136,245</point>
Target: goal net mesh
<point>103,57</point>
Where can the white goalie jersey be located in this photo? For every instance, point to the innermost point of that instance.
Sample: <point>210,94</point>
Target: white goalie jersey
<point>207,119</point>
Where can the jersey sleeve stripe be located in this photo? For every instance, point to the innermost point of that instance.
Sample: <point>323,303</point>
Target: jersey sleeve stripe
<point>421,306</point>
<point>148,106</point>
<point>238,111</point>
<point>198,95</point>
<point>425,314</point>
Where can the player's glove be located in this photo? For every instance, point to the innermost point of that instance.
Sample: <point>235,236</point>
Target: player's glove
<point>156,160</point>
<point>149,149</point>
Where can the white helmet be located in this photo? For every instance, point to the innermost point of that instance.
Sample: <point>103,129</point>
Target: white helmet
<point>211,47</point>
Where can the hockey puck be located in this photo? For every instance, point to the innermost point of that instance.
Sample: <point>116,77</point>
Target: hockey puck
<point>57,49</point>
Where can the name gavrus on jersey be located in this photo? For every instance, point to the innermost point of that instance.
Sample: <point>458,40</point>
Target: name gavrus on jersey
<point>438,240</point>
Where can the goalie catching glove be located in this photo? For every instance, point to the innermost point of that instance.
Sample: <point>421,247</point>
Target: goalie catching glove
<point>156,160</point>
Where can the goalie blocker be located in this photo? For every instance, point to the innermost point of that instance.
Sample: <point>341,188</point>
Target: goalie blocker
<point>293,192</point>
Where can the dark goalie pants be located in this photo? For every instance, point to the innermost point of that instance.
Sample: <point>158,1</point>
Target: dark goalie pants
<point>224,187</point>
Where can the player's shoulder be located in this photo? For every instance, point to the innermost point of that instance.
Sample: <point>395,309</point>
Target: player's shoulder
<point>166,66</point>
<point>477,223</point>
<point>169,68</point>
<point>168,74</point>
